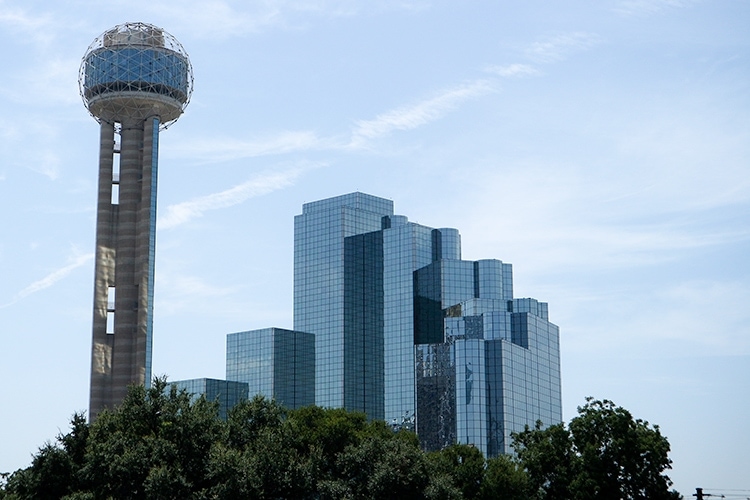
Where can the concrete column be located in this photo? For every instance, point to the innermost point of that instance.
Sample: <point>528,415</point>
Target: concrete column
<point>104,276</point>
<point>146,249</point>
<point>126,300</point>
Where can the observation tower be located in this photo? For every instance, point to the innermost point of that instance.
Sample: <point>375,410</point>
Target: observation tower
<point>135,80</point>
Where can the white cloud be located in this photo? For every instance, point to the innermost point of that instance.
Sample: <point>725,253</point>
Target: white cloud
<point>184,212</point>
<point>694,159</point>
<point>645,7</point>
<point>415,115</point>
<point>700,317</point>
<point>47,164</point>
<point>512,70</point>
<point>404,118</point>
<point>561,216</point>
<point>220,19</point>
<point>558,243</point>
<point>55,80</point>
<point>227,149</point>
<point>178,292</point>
<point>217,19</point>
<point>345,8</point>
<point>558,47</point>
<point>186,293</point>
<point>52,278</point>
<point>37,28</point>
<point>9,131</point>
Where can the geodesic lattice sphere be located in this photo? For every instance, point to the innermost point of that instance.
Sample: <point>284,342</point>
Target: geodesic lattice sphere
<point>133,71</point>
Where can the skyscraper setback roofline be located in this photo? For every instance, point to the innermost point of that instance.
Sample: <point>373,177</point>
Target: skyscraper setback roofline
<point>357,200</point>
<point>407,332</point>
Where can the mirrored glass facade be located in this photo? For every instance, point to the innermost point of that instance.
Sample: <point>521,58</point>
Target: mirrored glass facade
<point>136,69</point>
<point>319,234</point>
<point>226,392</point>
<point>275,363</point>
<point>497,370</point>
<point>408,332</point>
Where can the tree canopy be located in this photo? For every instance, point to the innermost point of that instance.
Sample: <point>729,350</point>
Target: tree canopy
<point>604,453</point>
<point>161,443</point>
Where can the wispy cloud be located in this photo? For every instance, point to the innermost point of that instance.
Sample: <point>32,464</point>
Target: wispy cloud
<point>557,48</point>
<point>265,183</point>
<point>51,278</point>
<point>346,8</point>
<point>512,70</point>
<point>178,292</point>
<point>9,131</point>
<point>47,164</point>
<point>35,27</point>
<point>645,7</point>
<point>415,115</point>
<point>227,149</point>
<point>21,19</point>
<point>403,118</point>
<point>675,315</point>
<point>562,216</point>
<point>685,315</point>
<point>222,19</point>
<point>49,81</point>
<point>218,19</point>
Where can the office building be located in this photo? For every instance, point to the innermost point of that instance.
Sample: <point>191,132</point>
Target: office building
<point>135,79</point>
<point>275,363</point>
<point>226,392</point>
<point>487,364</point>
<point>349,361</point>
<point>408,332</point>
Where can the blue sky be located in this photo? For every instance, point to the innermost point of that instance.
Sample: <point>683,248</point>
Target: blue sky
<point>601,147</point>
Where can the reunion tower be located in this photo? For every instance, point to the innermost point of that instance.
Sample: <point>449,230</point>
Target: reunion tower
<point>135,79</point>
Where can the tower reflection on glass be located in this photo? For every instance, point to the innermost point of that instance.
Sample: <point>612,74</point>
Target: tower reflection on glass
<point>135,80</point>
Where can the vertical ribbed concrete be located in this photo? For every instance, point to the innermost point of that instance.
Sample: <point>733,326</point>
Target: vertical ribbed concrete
<point>104,276</point>
<point>124,264</point>
<point>146,247</point>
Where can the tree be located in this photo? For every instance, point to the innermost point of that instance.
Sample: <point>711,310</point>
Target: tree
<point>379,467</point>
<point>53,473</point>
<point>603,454</point>
<point>548,457</point>
<point>257,456</point>
<point>155,445</point>
<point>464,466</point>
<point>163,443</point>
<point>505,478</point>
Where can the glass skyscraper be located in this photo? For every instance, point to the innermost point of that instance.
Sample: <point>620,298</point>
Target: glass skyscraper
<point>274,362</point>
<point>353,380</point>
<point>408,332</point>
<point>226,392</point>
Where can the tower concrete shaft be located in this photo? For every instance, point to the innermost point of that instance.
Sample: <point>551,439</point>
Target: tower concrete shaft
<point>124,267</point>
<point>134,79</point>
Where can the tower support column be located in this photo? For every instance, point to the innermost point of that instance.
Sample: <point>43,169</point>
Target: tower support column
<point>104,275</point>
<point>124,370</point>
<point>123,296</point>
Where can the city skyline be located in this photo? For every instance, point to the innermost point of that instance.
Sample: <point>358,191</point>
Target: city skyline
<point>408,332</point>
<point>605,145</point>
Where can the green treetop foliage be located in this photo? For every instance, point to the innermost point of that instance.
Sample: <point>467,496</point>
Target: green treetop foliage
<point>161,443</point>
<point>604,453</point>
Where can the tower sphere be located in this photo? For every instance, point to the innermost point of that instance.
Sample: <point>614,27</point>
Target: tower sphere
<point>133,71</point>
